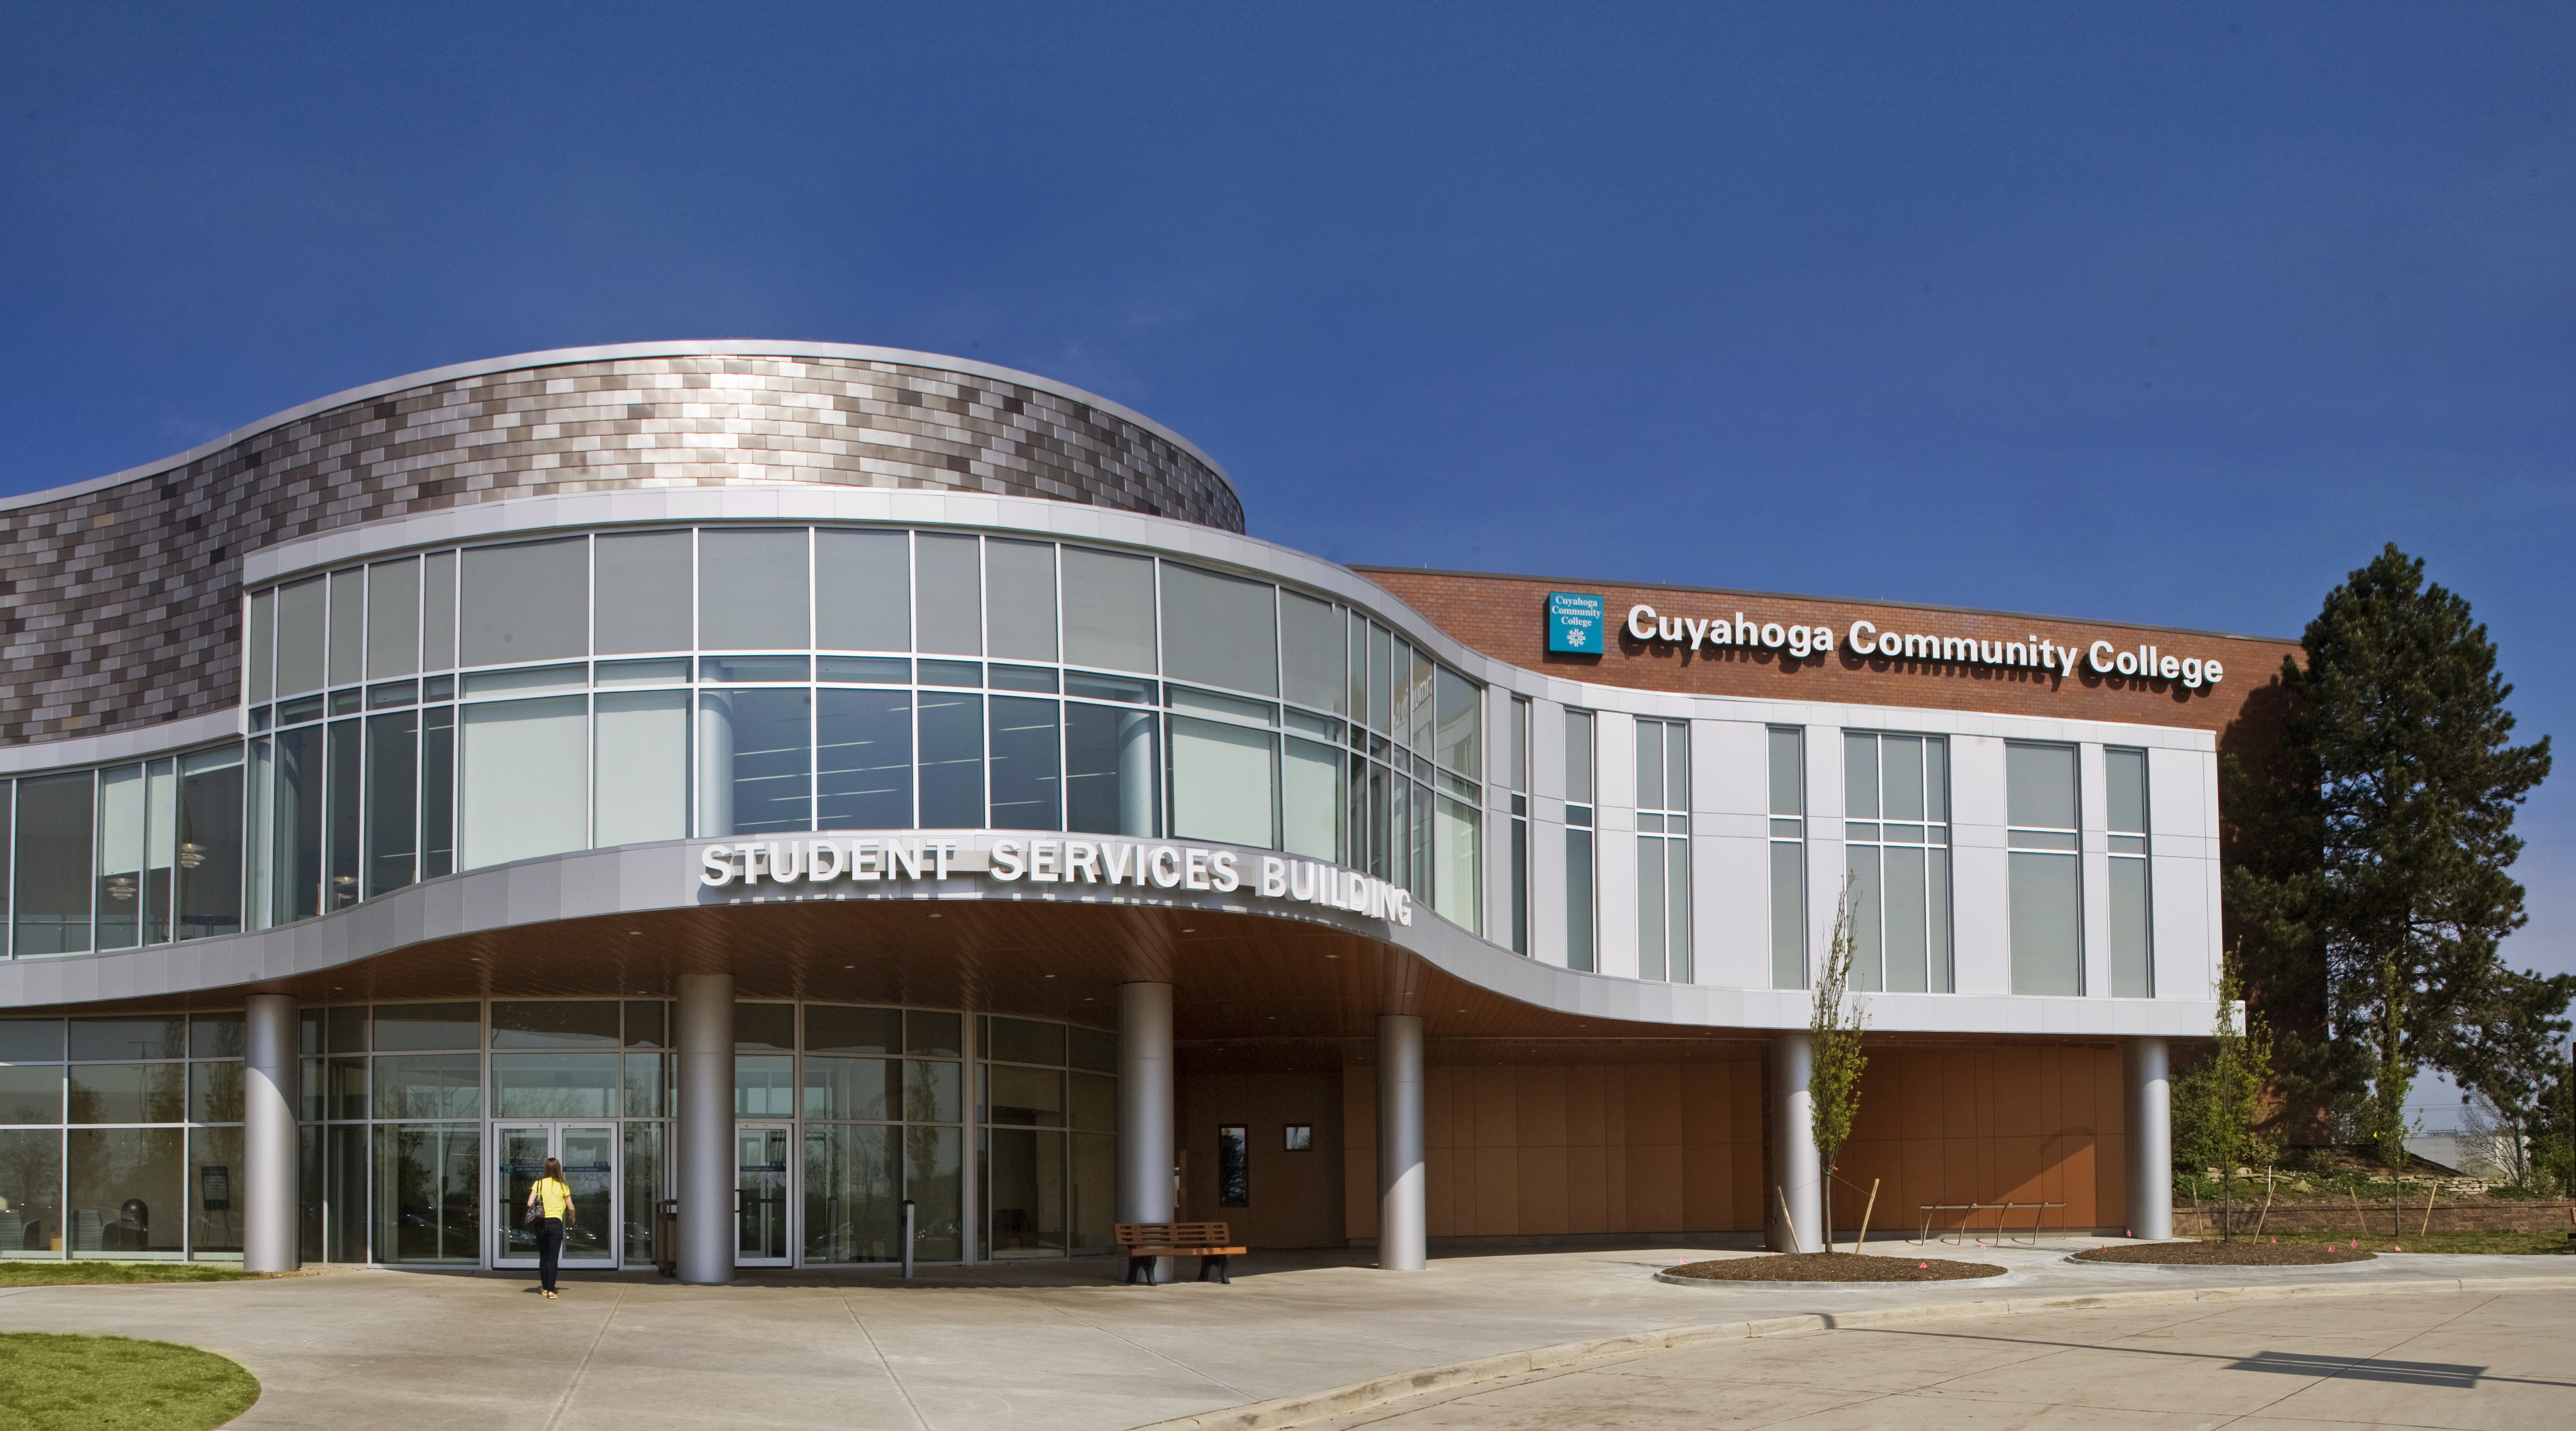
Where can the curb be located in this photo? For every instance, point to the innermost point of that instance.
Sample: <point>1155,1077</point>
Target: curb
<point>1360,1395</point>
<point>1734,1286</point>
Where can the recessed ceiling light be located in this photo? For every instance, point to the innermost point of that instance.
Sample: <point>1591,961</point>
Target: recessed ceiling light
<point>1185,929</point>
<point>1050,976</point>
<point>849,966</point>
<point>936,916</point>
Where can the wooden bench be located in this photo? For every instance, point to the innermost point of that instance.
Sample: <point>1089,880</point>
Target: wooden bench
<point>1206,1241</point>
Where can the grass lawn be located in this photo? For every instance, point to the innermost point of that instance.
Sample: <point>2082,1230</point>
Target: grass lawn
<point>2503,1243</point>
<point>49,1381</point>
<point>17,1272</point>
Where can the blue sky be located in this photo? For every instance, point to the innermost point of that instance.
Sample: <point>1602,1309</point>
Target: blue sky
<point>2169,313</point>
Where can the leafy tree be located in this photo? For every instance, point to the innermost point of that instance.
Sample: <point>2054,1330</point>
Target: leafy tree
<point>2219,1105</point>
<point>2371,855</point>
<point>1833,1033</point>
<point>2506,1048</point>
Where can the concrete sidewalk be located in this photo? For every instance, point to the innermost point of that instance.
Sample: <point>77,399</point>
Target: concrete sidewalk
<point>1058,1345</point>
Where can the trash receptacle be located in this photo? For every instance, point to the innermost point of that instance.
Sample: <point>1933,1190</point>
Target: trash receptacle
<point>666,1236</point>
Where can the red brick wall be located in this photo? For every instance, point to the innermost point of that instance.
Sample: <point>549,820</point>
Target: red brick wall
<point>1503,617</point>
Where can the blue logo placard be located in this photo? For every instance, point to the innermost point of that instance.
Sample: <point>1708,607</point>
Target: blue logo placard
<point>1574,622</point>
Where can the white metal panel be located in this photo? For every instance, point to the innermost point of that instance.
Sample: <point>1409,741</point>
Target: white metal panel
<point>1547,749</point>
<point>1729,775</point>
<point>1615,761</point>
<point>1615,900</point>
<point>1979,875</point>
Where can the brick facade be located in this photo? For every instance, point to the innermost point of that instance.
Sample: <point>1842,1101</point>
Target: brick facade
<point>118,606</point>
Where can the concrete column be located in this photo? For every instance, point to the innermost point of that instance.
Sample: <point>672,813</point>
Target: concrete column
<point>1145,1115</point>
<point>706,1160</point>
<point>1795,1174</point>
<point>1403,1225</point>
<point>2150,1137</point>
<point>266,1180</point>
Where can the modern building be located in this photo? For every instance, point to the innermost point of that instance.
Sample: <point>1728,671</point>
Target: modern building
<point>808,783</point>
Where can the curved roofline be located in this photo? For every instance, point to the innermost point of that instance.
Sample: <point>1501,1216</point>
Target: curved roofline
<point>615,352</point>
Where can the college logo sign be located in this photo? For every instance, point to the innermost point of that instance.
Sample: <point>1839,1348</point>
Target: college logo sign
<point>1574,623</point>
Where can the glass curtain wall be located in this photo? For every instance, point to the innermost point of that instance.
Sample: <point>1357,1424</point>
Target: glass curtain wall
<point>1784,749</point>
<point>1049,1099</point>
<point>2047,906</point>
<point>1896,833</point>
<point>120,1137</point>
<point>1663,851</point>
<point>532,698</point>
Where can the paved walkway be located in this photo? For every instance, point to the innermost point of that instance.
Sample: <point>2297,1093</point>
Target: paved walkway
<point>1056,1345</point>
<point>2479,1361</point>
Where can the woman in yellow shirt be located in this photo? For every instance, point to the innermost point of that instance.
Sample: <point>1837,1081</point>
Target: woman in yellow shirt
<point>553,1199</point>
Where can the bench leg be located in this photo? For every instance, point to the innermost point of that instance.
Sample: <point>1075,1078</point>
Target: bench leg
<point>1140,1267</point>
<point>1224,1276</point>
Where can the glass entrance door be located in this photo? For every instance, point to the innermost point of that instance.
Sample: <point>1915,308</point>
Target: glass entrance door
<point>762,1197</point>
<point>589,1155</point>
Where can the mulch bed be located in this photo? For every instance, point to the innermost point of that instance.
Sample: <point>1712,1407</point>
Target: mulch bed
<point>2243,1253</point>
<point>1834,1267</point>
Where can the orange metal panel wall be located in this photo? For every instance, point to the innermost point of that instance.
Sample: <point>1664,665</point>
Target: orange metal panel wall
<point>1988,1125</point>
<point>1556,1150</point>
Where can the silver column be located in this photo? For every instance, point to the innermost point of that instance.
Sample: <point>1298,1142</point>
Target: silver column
<point>706,1151</point>
<point>2150,1137</point>
<point>1145,1118</point>
<point>1403,1226</point>
<point>1795,1176</point>
<point>266,1184</point>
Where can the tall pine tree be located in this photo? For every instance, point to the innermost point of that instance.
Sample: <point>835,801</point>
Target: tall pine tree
<point>2372,855</point>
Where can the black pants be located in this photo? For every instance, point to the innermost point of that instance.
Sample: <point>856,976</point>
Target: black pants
<point>549,1250</point>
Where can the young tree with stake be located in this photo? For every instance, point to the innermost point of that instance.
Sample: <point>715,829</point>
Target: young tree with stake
<point>1833,1034</point>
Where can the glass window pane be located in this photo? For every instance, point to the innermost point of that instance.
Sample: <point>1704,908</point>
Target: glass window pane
<point>215,1092</point>
<point>30,1093</point>
<point>764,1086</point>
<point>297,821</point>
<point>1095,1049</point>
<point>1025,1041</point>
<point>53,856</point>
<point>525,788</point>
<point>214,1199</point>
<point>1650,908</point>
<point>1356,698</point>
<point>2126,789</point>
<point>528,602</point>
<point>952,760</point>
<point>1024,1193</point>
<point>1310,653</point>
<point>1221,782</point>
<point>120,857</point>
<point>1868,916</point>
<point>393,784</point>
<point>1311,799</point>
<point>429,1182</point>
<point>553,1085</point>
<point>393,618</point>
<point>932,1092</point>
<point>1936,778</point>
<point>300,614</point>
<point>1222,630</point>
<point>1860,776</point>
<point>209,851</point>
<point>1677,783</point>
<point>1457,864</point>
<point>128,1092</point>
<point>1025,1097</point>
<point>31,1191</point>
<point>754,761</point>
<point>649,1090</point>
<point>1026,765</point>
<point>1650,765</point>
<point>437,791</point>
<point>31,1040</point>
<point>862,590</point>
<point>853,1195</point>
<point>1936,882</point>
<point>1786,748</point>
<point>2132,974</point>
<point>1108,610</point>
<point>863,745</point>
<point>348,626</point>
<point>1457,728</point>
<point>344,1193</point>
<point>1908,928</point>
<point>438,611</point>
<point>558,1023</point>
<point>129,1038</point>
<point>125,1191</point>
<point>854,1087</point>
<point>1578,900</point>
<point>1109,770</point>
<point>409,1028</point>
<point>1788,915</point>
<point>2039,786</point>
<point>839,1028</point>
<point>642,583</point>
<point>764,1026</point>
<point>1092,1101</point>
<point>640,751</point>
<point>932,1160</point>
<point>948,595</point>
<point>260,664</point>
<point>1019,588</point>
<point>647,1023</point>
<point>1578,757</point>
<point>431,1085</point>
<point>927,1031</point>
<point>1902,776</point>
<point>341,836</point>
<point>1382,703</point>
<point>2047,929</point>
<point>752,589</point>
